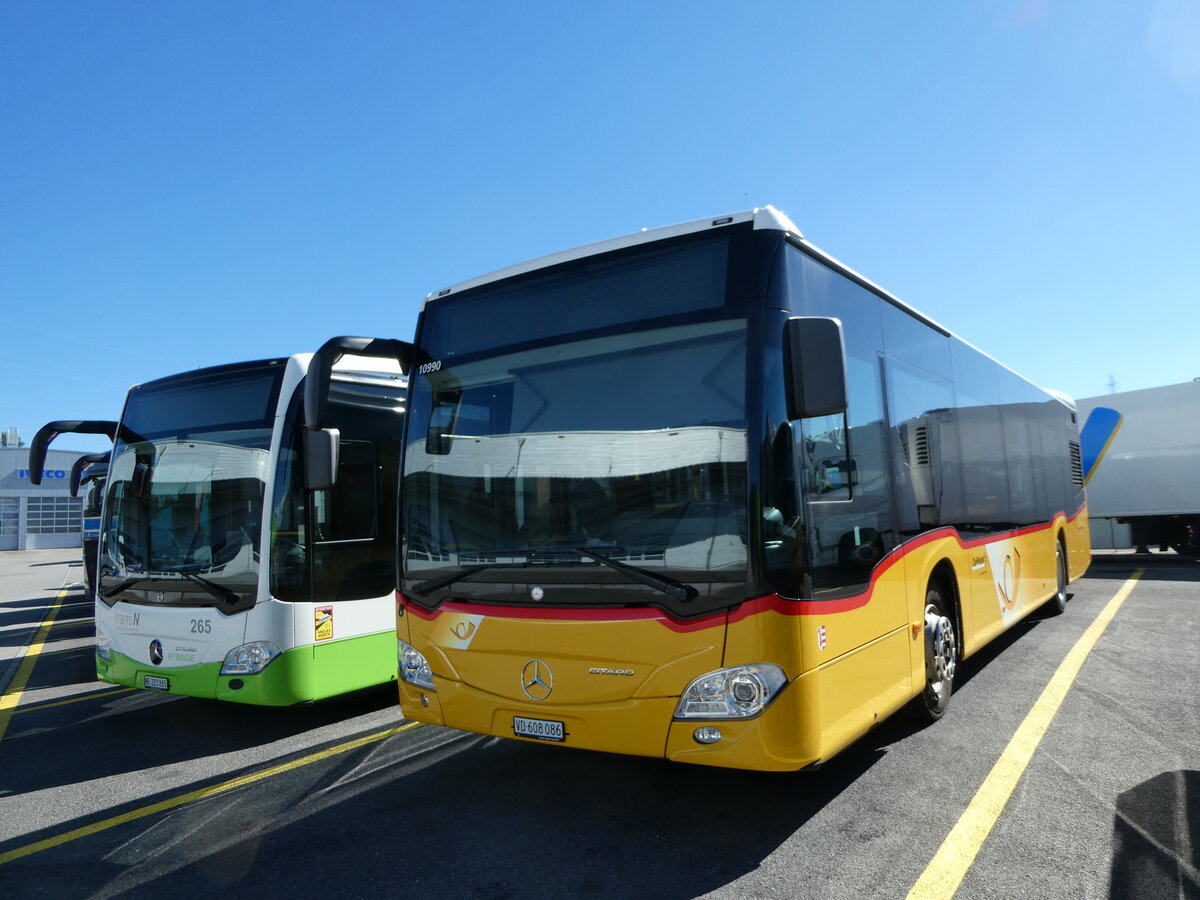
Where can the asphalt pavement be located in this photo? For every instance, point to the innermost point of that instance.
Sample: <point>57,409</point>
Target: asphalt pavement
<point>109,792</point>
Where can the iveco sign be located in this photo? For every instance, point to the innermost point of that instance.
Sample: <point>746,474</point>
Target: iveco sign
<point>23,474</point>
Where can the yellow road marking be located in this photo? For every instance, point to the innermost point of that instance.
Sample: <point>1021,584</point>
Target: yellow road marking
<point>85,643</point>
<point>89,696</point>
<point>949,865</point>
<point>12,696</point>
<point>202,793</point>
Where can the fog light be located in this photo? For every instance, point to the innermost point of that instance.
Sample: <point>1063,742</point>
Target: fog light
<point>706,735</point>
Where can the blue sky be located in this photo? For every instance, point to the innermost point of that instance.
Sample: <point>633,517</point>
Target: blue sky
<point>186,184</point>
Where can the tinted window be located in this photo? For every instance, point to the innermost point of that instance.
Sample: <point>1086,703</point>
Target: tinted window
<point>207,407</point>
<point>921,411</point>
<point>339,544</point>
<point>1001,454</point>
<point>966,443</point>
<point>631,288</point>
<point>350,512</point>
<point>841,466</point>
<point>917,343</point>
<point>635,443</point>
<point>816,290</point>
<point>982,464</point>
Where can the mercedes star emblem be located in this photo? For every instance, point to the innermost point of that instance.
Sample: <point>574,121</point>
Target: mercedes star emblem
<point>156,654</point>
<point>537,681</point>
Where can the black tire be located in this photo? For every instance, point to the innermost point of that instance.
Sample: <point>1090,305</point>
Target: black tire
<point>1057,604</point>
<point>941,657</point>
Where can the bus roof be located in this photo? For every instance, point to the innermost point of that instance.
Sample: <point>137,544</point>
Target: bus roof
<point>762,218</point>
<point>766,218</point>
<point>348,368</point>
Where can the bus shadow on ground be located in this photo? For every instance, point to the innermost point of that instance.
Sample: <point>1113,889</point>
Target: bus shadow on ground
<point>41,603</point>
<point>32,614</point>
<point>1157,566</point>
<point>152,730</point>
<point>468,816</point>
<point>443,813</point>
<point>1156,839</point>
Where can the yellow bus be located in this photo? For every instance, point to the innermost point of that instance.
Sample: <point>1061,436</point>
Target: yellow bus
<point>705,493</point>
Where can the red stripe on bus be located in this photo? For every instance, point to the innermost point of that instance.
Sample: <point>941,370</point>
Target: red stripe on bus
<point>784,606</point>
<point>756,606</point>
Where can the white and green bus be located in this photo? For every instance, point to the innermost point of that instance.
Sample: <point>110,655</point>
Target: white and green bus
<point>249,527</point>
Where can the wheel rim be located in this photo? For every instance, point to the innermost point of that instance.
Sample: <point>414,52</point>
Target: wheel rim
<point>1061,566</point>
<point>941,652</point>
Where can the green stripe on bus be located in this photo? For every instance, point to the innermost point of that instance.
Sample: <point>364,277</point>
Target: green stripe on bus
<point>300,675</point>
<point>354,663</point>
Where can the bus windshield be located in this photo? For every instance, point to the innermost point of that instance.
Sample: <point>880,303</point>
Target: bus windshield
<point>185,504</point>
<point>606,462</point>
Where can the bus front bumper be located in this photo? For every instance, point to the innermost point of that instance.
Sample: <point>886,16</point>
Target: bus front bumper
<point>771,741</point>
<point>286,681</point>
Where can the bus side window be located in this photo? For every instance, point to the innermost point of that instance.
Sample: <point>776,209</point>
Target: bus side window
<point>842,462</point>
<point>350,510</point>
<point>847,492</point>
<point>920,409</point>
<point>827,466</point>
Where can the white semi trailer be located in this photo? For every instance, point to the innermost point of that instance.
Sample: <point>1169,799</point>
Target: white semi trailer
<point>1146,492</point>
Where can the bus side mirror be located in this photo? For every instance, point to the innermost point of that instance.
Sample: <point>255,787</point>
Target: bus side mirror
<point>100,460</point>
<point>320,368</point>
<point>321,446</point>
<point>437,440</point>
<point>48,432</point>
<point>139,481</point>
<point>439,435</point>
<point>814,367</point>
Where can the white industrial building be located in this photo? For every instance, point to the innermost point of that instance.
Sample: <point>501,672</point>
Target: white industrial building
<point>37,516</point>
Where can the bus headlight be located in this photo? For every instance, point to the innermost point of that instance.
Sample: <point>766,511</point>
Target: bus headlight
<point>249,659</point>
<point>103,643</point>
<point>414,667</point>
<point>737,693</point>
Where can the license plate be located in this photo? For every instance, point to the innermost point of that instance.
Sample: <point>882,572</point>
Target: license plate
<point>539,729</point>
<point>156,683</point>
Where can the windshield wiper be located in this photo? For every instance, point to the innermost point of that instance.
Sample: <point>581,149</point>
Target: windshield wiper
<point>536,556</point>
<point>221,592</point>
<point>123,586</point>
<point>217,590</point>
<point>682,592</point>
<point>433,584</point>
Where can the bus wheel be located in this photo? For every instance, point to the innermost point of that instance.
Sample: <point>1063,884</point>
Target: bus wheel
<point>941,658</point>
<point>1058,602</point>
